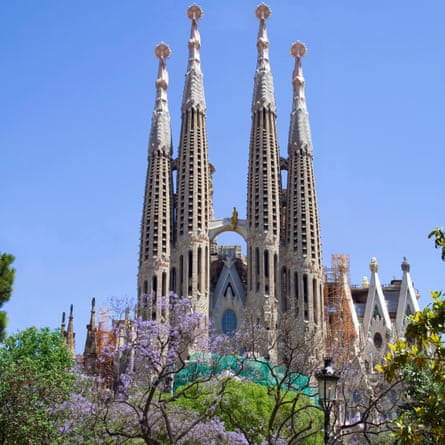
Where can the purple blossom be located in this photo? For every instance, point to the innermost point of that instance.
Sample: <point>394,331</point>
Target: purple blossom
<point>214,433</point>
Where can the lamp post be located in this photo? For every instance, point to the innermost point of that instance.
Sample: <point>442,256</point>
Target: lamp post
<point>327,387</point>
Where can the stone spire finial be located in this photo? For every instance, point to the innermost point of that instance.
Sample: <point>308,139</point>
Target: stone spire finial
<point>71,317</point>
<point>298,50</point>
<point>160,135</point>
<point>93,313</point>
<point>373,265</point>
<point>263,95</point>
<point>194,89</point>
<point>62,327</point>
<point>365,282</point>
<point>299,134</point>
<point>90,342</point>
<point>162,52</point>
<point>194,13</point>
<point>407,302</point>
<point>262,13</point>
<point>405,265</point>
<point>70,335</point>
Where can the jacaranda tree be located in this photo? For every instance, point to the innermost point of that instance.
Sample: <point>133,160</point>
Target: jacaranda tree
<point>140,405</point>
<point>174,384</point>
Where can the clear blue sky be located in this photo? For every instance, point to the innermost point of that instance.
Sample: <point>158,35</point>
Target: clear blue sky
<point>77,93</point>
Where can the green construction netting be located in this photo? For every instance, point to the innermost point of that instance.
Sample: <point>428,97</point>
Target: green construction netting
<point>258,370</point>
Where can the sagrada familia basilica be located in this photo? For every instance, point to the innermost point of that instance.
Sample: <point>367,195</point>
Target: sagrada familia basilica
<point>281,272</point>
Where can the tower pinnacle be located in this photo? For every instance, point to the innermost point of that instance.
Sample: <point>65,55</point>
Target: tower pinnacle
<point>93,314</point>
<point>263,95</point>
<point>300,133</point>
<point>62,327</point>
<point>70,335</point>
<point>193,89</point>
<point>298,50</point>
<point>90,351</point>
<point>262,13</point>
<point>162,52</point>
<point>194,13</point>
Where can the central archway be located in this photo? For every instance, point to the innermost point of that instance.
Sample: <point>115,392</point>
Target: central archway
<point>218,226</point>
<point>228,274</point>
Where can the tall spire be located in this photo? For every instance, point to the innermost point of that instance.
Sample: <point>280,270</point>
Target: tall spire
<point>194,89</point>
<point>154,254</point>
<point>190,276</point>
<point>70,335</point>
<point>93,313</point>
<point>263,196</point>
<point>90,351</point>
<point>303,231</point>
<point>301,263</point>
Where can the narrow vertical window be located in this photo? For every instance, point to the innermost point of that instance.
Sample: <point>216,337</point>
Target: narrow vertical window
<point>164,284</point>
<point>275,272</point>
<point>283,289</point>
<point>190,272</point>
<point>250,261</point>
<point>181,276</point>
<point>190,264</point>
<point>199,268</point>
<point>173,280</point>
<point>206,259</point>
<point>154,285</point>
<point>315,299</point>
<point>296,286</point>
<point>266,263</point>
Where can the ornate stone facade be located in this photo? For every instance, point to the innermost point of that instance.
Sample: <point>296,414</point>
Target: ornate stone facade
<point>281,274</point>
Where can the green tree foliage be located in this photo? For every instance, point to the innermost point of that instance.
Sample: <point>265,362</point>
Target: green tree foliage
<point>439,240</point>
<point>254,410</point>
<point>7,274</point>
<point>35,377</point>
<point>419,362</point>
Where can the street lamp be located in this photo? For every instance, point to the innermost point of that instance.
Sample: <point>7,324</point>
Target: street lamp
<point>327,387</point>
